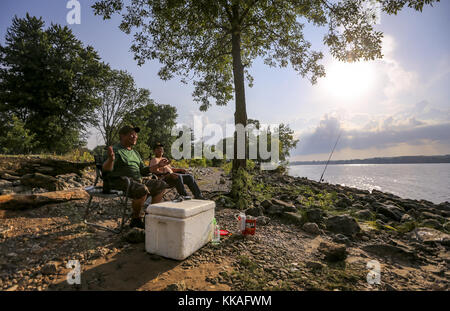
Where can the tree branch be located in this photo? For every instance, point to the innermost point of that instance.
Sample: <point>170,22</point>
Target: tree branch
<point>247,9</point>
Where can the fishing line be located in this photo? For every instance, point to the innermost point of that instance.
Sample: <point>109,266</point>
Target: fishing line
<point>329,158</point>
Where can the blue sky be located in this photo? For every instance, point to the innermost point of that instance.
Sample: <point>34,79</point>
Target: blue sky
<point>391,107</point>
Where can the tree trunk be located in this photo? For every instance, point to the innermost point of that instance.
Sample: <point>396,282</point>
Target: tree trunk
<point>240,115</point>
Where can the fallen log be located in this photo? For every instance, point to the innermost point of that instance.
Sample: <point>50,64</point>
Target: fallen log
<point>23,201</point>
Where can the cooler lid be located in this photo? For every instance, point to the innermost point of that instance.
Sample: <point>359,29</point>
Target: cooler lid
<point>183,209</point>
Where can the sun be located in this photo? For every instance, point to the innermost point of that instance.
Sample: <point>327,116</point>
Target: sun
<point>349,80</point>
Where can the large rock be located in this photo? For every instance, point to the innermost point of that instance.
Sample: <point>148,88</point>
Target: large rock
<point>277,207</point>
<point>22,165</point>
<point>343,202</point>
<point>40,180</point>
<point>391,211</point>
<point>44,169</point>
<point>9,177</point>
<point>386,250</point>
<point>266,204</point>
<point>254,211</point>
<point>358,205</point>
<point>406,218</point>
<point>314,265</point>
<point>274,210</point>
<point>287,207</point>
<point>382,218</point>
<point>432,216</point>
<point>364,214</point>
<point>342,239</point>
<point>429,235</point>
<point>433,223</point>
<point>311,227</point>
<point>6,191</point>
<point>180,286</point>
<point>332,251</point>
<point>293,218</point>
<point>5,184</point>
<point>444,214</point>
<point>314,215</point>
<point>446,226</point>
<point>262,220</point>
<point>344,224</point>
<point>444,206</point>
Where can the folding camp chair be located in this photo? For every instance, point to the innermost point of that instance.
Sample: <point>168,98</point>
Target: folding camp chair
<point>98,191</point>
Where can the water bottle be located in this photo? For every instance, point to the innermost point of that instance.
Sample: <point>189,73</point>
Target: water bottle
<point>241,223</point>
<point>216,233</point>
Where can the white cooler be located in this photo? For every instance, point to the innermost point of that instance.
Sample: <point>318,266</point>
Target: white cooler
<point>178,229</point>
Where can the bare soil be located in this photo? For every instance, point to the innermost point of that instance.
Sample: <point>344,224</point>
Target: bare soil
<point>36,245</point>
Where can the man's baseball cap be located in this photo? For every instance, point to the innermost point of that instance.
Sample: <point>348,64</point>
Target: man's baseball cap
<point>128,128</point>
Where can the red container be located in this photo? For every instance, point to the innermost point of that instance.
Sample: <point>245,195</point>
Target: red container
<point>250,226</point>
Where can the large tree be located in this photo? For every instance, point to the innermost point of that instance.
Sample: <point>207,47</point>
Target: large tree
<point>48,80</point>
<point>215,42</point>
<point>118,96</point>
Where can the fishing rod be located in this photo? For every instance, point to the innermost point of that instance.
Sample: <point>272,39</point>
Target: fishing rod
<point>329,158</point>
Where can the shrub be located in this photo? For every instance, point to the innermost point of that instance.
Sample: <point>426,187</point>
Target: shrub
<point>18,139</point>
<point>77,156</point>
<point>197,162</point>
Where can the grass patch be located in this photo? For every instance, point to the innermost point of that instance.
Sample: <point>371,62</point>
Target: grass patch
<point>373,224</point>
<point>389,228</point>
<point>250,276</point>
<point>407,227</point>
<point>334,276</point>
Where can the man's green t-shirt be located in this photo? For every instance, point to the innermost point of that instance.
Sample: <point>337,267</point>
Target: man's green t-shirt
<point>128,163</point>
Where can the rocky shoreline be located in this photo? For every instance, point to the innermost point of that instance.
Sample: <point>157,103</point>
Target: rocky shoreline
<point>34,174</point>
<point>309,236</point>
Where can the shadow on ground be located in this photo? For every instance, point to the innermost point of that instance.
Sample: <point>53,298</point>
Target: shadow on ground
<point>126,271</point>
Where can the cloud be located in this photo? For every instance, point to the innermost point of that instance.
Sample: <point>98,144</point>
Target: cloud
<point>322,137</point>
<point>397,80</point>
<point>381,132</point>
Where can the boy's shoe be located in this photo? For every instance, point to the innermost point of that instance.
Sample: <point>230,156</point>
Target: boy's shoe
<point>137,223</point>
<point>200,197</point>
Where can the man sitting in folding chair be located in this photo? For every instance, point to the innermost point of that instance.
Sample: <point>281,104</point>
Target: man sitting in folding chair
<point>124,161</point>
<point>174,177</point>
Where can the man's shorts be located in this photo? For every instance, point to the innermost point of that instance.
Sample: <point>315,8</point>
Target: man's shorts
<point>137,190</point>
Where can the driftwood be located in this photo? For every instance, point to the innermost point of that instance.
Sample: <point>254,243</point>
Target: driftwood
<point>22,201</point>
<point>48,166</point>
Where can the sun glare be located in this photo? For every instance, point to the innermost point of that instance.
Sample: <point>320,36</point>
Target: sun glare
<point>349,80</point>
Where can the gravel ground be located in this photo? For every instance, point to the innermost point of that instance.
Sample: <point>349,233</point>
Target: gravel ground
<point>36,246</point>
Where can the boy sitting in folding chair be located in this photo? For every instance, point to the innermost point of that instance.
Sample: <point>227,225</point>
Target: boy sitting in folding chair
<point>174,177</point>
<point>124,161</point>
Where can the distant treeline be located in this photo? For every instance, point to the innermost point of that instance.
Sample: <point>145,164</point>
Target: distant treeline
<point>387,160</point>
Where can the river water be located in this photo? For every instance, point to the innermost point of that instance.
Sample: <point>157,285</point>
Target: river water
<point>413,181</point>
